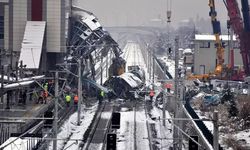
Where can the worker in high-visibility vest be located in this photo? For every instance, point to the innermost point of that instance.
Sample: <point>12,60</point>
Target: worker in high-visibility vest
<point>46,94</point>
<point>151,94</point>
<point>102,93</point>
<point>101,96</point>
<point>45,87</point>
<point>68,99</point>
<point>75,99</point>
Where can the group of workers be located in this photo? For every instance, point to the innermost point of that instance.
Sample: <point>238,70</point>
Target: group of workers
<point>43,94</point>
<point>68,98</point>
<point>100,95</point>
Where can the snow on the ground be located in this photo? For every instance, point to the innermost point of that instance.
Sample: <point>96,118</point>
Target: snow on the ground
<point>208,124</point>
<point>199,95</point>
<point>142,141</point>
<point>70,129</point>
<point>133,56</point>
<point>106,115</point>
<point>243,135</point>
<point>165,134</point>
<point>171,65</point>
<point>126,133</point>
<point>17,143</point>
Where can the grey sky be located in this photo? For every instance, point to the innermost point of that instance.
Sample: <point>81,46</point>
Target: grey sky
<point>142,12</point>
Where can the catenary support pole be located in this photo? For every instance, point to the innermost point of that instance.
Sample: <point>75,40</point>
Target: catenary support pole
<point>153,59</point>
<point>101,69</point>
<point>180,111</point>
<point>149,63</point>
<point>175,133</point>
<point>164,100</point>
<point>164,107</point>
<point>216,131</point>
<point>107,64</point>
<point>56,112</point>
<point>79,92</point>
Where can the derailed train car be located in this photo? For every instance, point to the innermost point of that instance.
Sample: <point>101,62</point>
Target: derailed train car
<point>127,84</point>
<point>89,42</point>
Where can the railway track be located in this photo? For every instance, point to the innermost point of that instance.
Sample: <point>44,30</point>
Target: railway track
<point>135,147</point>
<point>149,128</point>
<point>95,136</point>
<point>64,114</point>
<point>138,113</point>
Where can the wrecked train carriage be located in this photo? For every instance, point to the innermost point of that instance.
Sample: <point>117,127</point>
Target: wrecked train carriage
<point>125,85</point>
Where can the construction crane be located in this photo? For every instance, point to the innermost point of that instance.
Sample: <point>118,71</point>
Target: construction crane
<point>242,31</point>
<point>220,67</point>
<point>218,42</point>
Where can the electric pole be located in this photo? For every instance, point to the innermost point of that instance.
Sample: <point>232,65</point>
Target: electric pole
<point>164,109</point>
<point>153,67</point>
<point>215,131</point>
<point>101,69</point>
<point>149,63</point>
<point>79,91</point>
<point>175,133</point>
<point>56,112</point>
<point>164,99</point>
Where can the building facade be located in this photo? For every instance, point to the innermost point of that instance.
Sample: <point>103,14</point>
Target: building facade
<point>14,15</point>
<point>205,57</point>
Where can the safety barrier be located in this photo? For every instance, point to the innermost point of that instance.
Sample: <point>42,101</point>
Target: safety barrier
<point>207,134</point>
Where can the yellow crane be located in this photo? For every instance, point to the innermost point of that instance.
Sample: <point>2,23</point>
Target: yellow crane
<point>218,44</point>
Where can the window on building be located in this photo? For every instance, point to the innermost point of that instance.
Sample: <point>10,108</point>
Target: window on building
<point>205,44</point>
<point>1,27</point>
<point>236,45</point>
<point>202,69</point>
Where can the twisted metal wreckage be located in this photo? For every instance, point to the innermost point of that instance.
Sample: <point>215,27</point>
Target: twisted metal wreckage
<point>90,42</point>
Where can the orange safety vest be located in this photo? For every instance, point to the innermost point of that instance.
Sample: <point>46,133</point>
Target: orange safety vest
<point>168,86</point>
<point>151,93</point>
<point>76,99</point>
<point>46,94</point>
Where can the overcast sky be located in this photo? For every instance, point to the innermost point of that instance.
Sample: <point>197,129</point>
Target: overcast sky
<point>142,12</point>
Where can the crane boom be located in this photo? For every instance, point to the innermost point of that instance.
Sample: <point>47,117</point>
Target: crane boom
<point>217,33</point>
<point>218,45</point>
<point>243,32</point>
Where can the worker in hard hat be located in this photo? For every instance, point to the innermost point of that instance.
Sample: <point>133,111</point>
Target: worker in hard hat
<point>101,96</point>
<point>76,99</point>
<point>151,94</point>
<point>68,99</point>
<point>46,94</point>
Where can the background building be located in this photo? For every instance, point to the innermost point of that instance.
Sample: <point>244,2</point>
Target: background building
<point>205,53</point>
<point>14,15</point>
<point>188,60</point>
